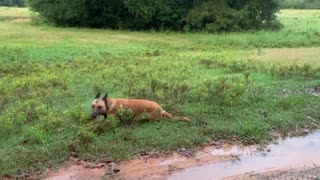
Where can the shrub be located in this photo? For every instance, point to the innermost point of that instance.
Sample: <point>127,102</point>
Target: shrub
<point>128,14</point>
<point>233,15</point>
<point>210,15</point>
<point>259,14</point>
<point>37,19</point>
<point>213,17</point>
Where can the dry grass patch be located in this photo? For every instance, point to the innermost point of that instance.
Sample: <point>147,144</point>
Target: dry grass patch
<point>289,55</point>
<point>14,12</point>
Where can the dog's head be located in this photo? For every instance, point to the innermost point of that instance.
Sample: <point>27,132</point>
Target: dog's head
<point>99,106</point>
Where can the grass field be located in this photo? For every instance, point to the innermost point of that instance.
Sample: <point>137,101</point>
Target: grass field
<point>11,13</point>
<point>287,56</point>
<point>232,86</point>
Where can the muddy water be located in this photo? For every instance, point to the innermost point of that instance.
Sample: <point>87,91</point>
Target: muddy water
<point>289,153</point>
<point>215,161</point>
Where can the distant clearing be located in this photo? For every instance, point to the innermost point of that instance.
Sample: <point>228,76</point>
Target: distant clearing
<point>14,12</point>
<point>289,55</point>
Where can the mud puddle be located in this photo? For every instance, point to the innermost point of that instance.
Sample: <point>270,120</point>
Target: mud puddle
<point>219,160</point>
<point>145,166</point>
<point>289,153</point>
<point>161,167</point>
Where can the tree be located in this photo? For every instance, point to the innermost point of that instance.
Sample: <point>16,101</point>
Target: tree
<point>233,15</point>
<point>210,15</point>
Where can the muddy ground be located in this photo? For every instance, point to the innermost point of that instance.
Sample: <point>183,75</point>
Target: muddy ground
<point>288,158</point>
<point>312,173</point>
<point>144,166</point>
<point>79,172</point>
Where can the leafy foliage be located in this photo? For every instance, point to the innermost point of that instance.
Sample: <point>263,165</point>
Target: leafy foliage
<point>213,17</point>
<point>210,15</point>
<point>234,15</point>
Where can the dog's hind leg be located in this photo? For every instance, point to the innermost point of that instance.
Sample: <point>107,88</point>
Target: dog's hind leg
<point>166,114</point>
<point>170,116</point>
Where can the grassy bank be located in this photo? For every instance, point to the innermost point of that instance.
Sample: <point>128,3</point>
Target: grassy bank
<point>49,77</point>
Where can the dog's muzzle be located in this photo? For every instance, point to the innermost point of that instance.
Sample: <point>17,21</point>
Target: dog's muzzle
<point>95,115</point>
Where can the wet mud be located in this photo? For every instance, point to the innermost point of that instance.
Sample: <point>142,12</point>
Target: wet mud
<point>218,161</point>
<point>289,153</point>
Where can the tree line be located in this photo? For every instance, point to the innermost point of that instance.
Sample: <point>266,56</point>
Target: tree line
<point>178,15</point>
<point>14,3</point>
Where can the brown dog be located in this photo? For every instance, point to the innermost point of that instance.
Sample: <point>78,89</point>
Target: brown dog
<point>105,106</point>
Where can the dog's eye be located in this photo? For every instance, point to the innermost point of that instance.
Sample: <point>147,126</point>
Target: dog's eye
<point>92,106</point>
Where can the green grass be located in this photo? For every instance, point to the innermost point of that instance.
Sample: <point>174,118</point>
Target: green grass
<point>50,75</point>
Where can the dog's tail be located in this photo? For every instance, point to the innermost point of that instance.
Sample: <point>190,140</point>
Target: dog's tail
<point>170,116</point>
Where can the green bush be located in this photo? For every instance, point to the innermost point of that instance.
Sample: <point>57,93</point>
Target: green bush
<point>124,14</point>
<point>215,16</point>
<point>209,15</point>
<point>37,19</point>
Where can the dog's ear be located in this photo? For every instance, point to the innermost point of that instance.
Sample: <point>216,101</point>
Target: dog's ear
<point>97,96</point>
<point>105,97</point>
